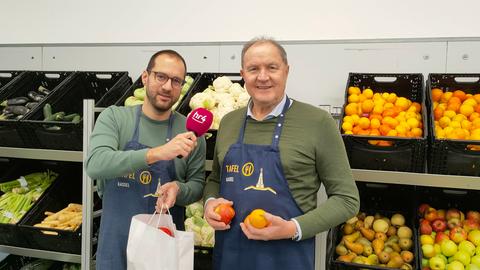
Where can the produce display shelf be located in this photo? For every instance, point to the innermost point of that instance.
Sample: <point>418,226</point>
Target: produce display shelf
<point>43,254</point>
<point>50,154</point>
<point>417,179</point>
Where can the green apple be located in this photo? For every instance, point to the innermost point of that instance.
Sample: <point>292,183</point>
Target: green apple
<point>449,248</point>
<point>474,237</point>
<point>438,248</point>
<point>477,250</point>
<point>455,265</point>
<point>472,267</point>
<point>467,246</point>
<point>463,257</point>
<point>443,257</point>
<point>428,251</point>
<point>475,260</point>
<point>424,262</point>
<point>436,263</point>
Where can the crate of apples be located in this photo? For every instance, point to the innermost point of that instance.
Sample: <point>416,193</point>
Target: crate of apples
<point>449,239</point>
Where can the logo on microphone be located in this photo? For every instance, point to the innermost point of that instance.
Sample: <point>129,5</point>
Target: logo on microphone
<point>199,118</point>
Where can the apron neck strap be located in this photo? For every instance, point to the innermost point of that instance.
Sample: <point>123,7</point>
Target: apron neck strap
<point>278,127</point>
<point>136,132</point>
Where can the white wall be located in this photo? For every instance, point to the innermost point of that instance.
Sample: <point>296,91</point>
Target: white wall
<point>153,21</point>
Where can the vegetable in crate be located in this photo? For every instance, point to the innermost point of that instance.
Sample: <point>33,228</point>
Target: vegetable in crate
<point>20,194</point>
<point>221,98</point>
<point>69,218</point>
<point>376,240</point>
<point>40,264</point>
<point>204,235</point>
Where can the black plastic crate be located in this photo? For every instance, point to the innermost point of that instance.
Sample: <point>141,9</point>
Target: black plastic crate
<point>139,84</point>
<point>405,154</point>
<point>9,76</point>
<point>64,191</point>
<point>14,262</point>
<point>448,156</point>
<point>444,198</point>
<point>10,234</point>
<point>15,133</point>
<point>100,86</point>
<point>202,258</point>
<point>382,199</point>
<point>203,82</point>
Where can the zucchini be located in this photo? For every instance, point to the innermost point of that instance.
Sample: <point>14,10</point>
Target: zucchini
<point>14,101</point>
<point>69,117</point>
<point>76,119</point>
<point>47,111</point>
<point>58,116</point>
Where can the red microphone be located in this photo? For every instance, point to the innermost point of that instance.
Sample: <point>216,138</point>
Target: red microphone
<point>199,122</point>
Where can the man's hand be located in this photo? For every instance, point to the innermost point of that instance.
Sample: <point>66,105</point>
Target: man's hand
<point>167,196</point>
<point>181,145</point>
<point>213,218</point>
<point>278,228</point>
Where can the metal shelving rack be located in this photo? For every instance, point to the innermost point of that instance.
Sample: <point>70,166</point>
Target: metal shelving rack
<point>385,177</point>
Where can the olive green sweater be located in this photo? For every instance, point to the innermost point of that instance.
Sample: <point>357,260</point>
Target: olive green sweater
<point>114,128</point>
<point>312,153</point>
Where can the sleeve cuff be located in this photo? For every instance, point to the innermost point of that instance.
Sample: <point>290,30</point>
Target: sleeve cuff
<point>298,235</point>
<point>205,203</point>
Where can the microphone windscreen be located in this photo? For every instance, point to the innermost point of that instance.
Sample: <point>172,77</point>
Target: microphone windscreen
<point>199,121</point>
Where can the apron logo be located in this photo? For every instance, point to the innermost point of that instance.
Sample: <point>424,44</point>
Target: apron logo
<point>248,169</point>
<point>260,186</point>
<point>145,177</point>
<point>232,168</point>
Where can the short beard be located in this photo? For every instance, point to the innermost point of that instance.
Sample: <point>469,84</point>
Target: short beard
<point>159,108</point>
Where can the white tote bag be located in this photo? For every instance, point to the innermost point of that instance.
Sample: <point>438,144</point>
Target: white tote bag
<point>150,248</point>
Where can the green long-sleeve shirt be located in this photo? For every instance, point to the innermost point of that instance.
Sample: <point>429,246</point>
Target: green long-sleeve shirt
<point>114,128</point>
<point>311,152</point>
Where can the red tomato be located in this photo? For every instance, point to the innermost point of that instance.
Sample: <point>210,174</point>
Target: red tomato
<point>166,230</point>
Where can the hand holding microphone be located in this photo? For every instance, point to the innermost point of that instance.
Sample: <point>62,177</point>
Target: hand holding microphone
<point>198,122</point>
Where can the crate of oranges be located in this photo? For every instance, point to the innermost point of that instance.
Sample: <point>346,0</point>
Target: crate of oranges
<point>454,104</point>
<point>383,123</point>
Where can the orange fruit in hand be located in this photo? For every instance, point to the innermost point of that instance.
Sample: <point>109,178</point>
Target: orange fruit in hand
<point>257,219</point>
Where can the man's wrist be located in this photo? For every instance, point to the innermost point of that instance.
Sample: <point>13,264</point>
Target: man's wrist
<point>298,231</point>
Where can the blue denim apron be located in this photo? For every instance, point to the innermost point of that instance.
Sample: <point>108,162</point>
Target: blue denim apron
<point>123,198</point>
<point>252,177</point>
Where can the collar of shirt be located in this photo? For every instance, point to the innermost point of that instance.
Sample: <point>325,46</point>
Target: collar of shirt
<point>274,113</point>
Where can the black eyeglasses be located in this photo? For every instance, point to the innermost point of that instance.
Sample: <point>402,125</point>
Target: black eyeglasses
<point>163,78</point>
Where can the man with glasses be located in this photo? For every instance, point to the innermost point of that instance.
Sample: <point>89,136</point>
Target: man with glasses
<point>133,150</point>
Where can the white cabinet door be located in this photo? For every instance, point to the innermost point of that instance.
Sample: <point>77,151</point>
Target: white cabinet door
<point>133,59</point>
<point>20,58</point>
<point>463,57</point>
<point>230,57</point>
<point>319,72</point>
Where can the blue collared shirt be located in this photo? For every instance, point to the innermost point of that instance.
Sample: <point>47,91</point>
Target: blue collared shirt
<point>274,113</point>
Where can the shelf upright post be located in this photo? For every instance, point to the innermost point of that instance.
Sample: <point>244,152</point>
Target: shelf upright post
<point>87,190</point>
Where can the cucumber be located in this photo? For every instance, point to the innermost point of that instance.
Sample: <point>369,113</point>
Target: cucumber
<point>47,111</point>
